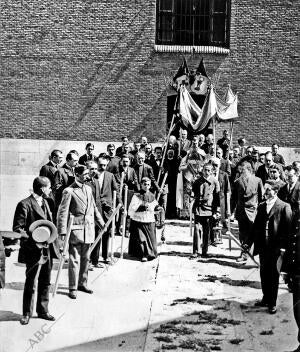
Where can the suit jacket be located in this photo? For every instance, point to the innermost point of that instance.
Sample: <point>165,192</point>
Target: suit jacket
<point>278,159</point>
<point>84,158</point>
<point>264,175</point>
<point>224,194</point>
<point>63,178</point>
<point>113,165</point>
<point>271,231</point>
<point>206,193</point>
<point>130,178</point>
<point>145,171</point>
<point>81,204</point>
<point>49,171</point>
<point>246,196</point>
<point>27,212</point>
<point>291,259</point>
<point>104,196</point>
<point>293,198</point>
<point>225,166</point>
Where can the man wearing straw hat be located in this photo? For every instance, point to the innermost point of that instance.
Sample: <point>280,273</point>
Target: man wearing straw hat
<point>78,200</point>
<point>33,218</point>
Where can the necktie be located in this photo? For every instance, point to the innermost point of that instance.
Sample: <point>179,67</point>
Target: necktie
<point>43,206</point>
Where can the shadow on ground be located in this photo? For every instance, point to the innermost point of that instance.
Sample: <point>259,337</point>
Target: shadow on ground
<point>216,324</point>
<point>6,315</point>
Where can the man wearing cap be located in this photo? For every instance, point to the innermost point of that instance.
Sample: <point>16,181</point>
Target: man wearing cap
<point>78,201</point>
<point>270,234</point>
<point>31,213</point>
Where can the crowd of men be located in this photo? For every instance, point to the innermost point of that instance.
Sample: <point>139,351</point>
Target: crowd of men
<point>257,189</point>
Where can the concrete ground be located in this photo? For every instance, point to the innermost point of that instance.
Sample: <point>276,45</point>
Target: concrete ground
<point>172,303</point>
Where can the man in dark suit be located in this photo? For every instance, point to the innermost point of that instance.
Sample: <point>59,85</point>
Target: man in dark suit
<point>149,156</point>
<point>128,174</point>
<point>49,169</point>
<point>225,163</point>
<point>113,160</point>
<point>88,156</point>
<point>30,209</point>
<point>278,158</point>
<point>290,193</point>
<point>64,177</point>
<point>224,143</point>
<point>103,185</point>
<point>270,233</point>
<point>247,194</point>
<point>121,150</point>
<point>291,266</point>
<point>144,170</point>
<point>206,190</point>
<point>263,170</point>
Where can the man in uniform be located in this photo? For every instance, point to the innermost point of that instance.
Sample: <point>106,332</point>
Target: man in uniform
<point>78,200</point>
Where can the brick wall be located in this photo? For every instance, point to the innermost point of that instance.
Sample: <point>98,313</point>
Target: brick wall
<point>87,70</point>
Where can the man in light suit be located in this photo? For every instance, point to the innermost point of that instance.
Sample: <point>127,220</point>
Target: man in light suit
<point>78,200</point>
<point>247,194</point>
<point>103,185</point>
<point>270,234</point>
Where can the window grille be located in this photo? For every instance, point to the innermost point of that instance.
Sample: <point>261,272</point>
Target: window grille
<point>193,22</point>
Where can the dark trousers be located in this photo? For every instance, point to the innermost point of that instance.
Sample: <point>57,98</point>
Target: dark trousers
<point>201,230</point>
<point>43,287</point>
<point>269,277</point>
<point>296,301</point>
<point>105,244</point>
<point>96,251</point>
<point>245,228</point>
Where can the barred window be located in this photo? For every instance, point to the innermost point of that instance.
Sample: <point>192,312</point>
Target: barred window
<point>193,22</point>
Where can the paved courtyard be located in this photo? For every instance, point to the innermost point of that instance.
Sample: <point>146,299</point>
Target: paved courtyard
<point>172,303</point>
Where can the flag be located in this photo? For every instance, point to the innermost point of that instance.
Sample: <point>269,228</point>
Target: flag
<point>181,77</point>
<point>199,81</point>
<point>201,69</point>
<point>192,116</point>
<point>227,108</point>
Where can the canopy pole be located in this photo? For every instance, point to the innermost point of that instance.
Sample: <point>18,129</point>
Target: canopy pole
<point>231,134</point>
<point>214,134</point>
